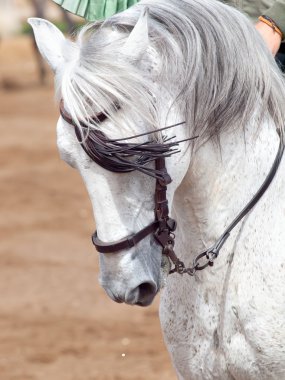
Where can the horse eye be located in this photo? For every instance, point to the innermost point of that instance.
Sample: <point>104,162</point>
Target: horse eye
<point>100,117</point>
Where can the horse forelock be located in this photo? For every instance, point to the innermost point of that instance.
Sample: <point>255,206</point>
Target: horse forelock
<point>212,59</point>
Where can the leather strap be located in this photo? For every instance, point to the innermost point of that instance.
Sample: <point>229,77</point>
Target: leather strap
<point>125,243</point>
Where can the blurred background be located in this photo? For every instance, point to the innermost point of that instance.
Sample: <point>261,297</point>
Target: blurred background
<point>56,323</point>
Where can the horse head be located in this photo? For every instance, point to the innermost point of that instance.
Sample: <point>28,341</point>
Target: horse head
<point>113,72</point>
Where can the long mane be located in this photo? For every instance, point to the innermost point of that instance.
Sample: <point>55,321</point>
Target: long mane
<point>212,59</point>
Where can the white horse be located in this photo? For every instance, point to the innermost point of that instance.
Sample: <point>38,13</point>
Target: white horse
<point>198,61</point>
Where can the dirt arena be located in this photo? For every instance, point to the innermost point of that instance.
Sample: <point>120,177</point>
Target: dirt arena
<point>56,323</point>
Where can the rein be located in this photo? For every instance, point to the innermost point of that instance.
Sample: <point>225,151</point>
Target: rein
<point>163,226</point>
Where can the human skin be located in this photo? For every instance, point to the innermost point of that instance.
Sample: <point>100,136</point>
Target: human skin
<point>271,38</point>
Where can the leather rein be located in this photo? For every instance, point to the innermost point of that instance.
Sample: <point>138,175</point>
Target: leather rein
<point>163,226</point>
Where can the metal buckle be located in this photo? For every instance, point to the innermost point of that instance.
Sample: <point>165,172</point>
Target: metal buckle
<point>171,224</point>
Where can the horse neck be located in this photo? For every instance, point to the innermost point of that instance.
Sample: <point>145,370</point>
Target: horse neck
<point>219,183</point>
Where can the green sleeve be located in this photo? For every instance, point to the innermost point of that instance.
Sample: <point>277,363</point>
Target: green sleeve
<point>93,10</point>
<point>277,13</point>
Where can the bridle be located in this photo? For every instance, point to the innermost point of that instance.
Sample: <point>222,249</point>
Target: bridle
<point>163,227</point>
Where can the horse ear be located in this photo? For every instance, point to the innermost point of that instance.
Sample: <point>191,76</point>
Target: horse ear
<point>138,40</point>
<point>49,40</point>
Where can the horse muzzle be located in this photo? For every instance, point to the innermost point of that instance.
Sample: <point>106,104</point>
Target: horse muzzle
<point>140,295</point>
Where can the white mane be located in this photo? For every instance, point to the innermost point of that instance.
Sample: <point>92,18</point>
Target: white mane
<point>218,62</point>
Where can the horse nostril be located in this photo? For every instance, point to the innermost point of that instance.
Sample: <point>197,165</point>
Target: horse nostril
<point>146,291</point>
<point>141,295</point>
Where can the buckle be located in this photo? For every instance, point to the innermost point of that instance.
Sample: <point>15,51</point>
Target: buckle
<point>171,224</point>
<point>162,236</point>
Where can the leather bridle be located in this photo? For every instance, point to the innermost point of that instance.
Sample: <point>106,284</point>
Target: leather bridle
<point>163,226</point>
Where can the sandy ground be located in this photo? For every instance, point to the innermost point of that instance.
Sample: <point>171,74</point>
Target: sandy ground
<point>55,321</point>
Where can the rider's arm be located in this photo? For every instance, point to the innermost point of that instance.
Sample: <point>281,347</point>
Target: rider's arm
<point>276,13</point>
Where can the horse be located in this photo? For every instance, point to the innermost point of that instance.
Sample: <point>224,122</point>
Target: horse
<point>182,99</point>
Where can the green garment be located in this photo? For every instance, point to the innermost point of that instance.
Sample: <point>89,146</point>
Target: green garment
<point>275,9</point>
<point>98,9</point>
<point>93,10</point>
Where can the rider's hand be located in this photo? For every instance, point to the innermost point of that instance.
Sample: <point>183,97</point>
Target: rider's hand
<point>271,38</point>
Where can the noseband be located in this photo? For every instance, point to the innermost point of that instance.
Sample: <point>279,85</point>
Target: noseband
<point>163,226</point>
